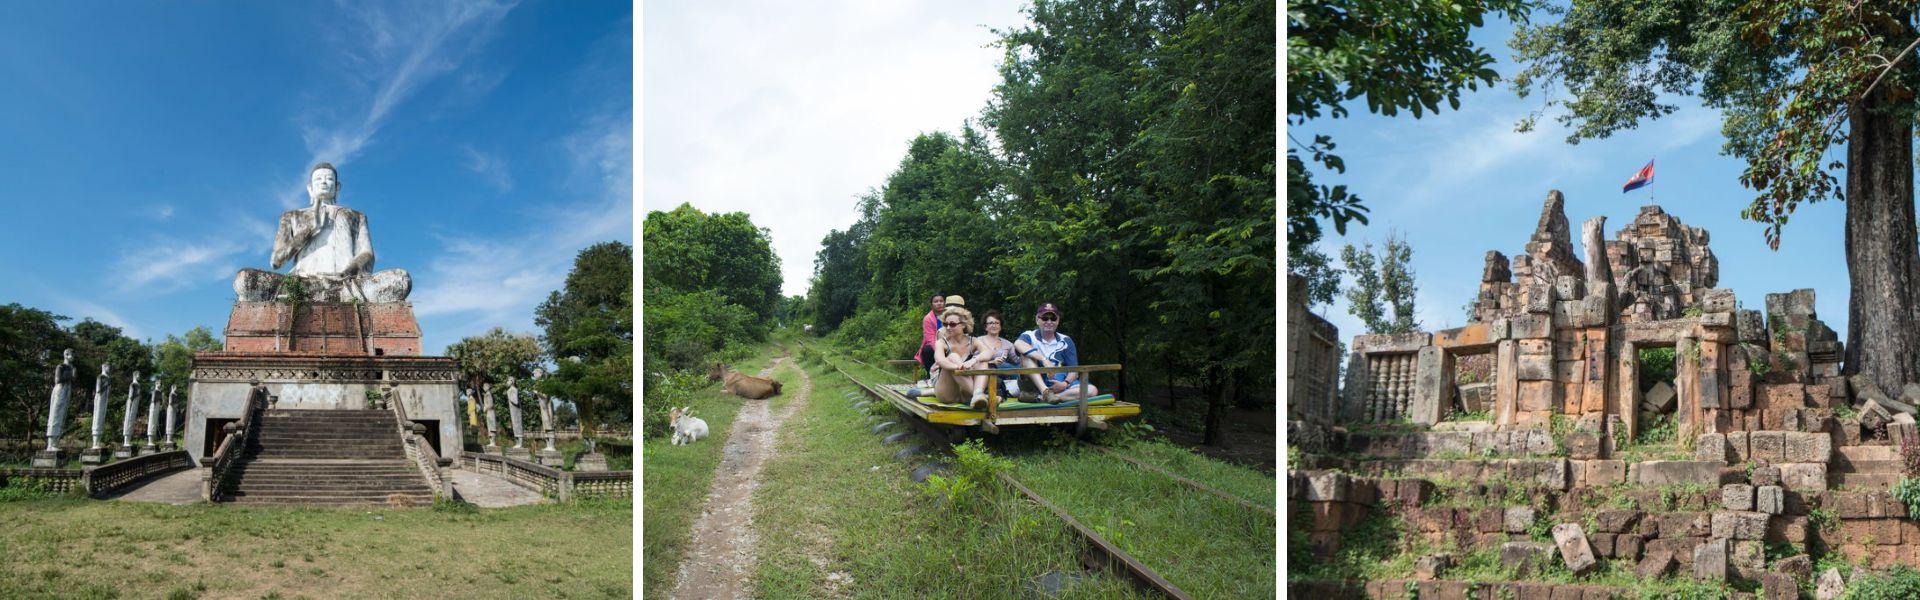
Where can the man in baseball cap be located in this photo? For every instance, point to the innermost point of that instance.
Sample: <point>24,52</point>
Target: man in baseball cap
<point>1046,346</point>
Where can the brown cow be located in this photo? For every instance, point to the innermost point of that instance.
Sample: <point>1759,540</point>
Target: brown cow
<point>743,385</point>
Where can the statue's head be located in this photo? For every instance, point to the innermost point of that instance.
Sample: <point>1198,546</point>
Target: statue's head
<point>66,356</point>
<point>103,369</point>
<point>323,183</point>
<point>511,380</point>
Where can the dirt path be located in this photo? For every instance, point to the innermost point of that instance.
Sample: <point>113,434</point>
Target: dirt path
<point>720,561</point>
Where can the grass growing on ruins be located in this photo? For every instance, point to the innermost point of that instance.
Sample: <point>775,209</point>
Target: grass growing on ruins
<point>838,517</point>
<point>75,548</point>
<point>677,478</point>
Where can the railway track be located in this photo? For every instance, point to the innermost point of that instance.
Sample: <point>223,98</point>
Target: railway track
<point>1100,553</point>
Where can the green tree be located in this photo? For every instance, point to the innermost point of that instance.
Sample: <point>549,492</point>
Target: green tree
<point>494,356</point>
<point>1383,289</point>
<point>840,276</point>
<point>30,344</point>
<point>173,356</point>
<point>690,250</point>
<point>1401,56</point>
<point>1785,76</point>
<point>932,229</point>
<point>588,328</point>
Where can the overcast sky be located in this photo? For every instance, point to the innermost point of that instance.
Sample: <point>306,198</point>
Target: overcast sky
<point>789,111</point>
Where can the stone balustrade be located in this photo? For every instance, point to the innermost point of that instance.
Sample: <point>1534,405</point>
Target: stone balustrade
<point>555,483</point>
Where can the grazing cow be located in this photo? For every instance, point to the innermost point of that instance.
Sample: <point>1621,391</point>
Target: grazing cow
<point>743,385</point>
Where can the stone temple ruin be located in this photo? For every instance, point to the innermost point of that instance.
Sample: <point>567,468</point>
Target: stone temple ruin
<point>1531,431</point>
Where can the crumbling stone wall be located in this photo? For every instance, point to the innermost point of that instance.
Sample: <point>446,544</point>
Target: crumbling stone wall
<point>1661,266</point>
<point>1313,360</point>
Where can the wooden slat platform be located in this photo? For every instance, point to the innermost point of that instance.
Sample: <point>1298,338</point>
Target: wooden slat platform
<point>896,394</point>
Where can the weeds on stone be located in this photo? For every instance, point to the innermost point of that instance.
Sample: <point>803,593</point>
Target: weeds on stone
<point>1899,582</point>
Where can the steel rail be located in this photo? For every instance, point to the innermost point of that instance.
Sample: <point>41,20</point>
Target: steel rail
<point>1101,553</point>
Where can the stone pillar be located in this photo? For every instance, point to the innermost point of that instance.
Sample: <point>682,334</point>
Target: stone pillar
<point>1430,387</point>
<point>132,411</point>
<point>153,421</point>
<point>167,442</point>
<point>549,455</point>
<point>1506,385</point>
<point>94,454</point>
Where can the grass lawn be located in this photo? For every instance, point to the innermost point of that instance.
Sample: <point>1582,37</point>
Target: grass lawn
<point>74,548</point>
<point>837,517</point>
<point>677,478</point>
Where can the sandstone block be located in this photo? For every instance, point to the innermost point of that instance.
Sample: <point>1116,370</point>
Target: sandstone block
<point>1769,446</point>
<point>1669,472</point>
<point>1582,445</point>
<point>1739,525</point>
<point>1574,548</point>
<point>1739,447</point>
<point>1778,586</point>
<point>1830,585</point>
<point>1519,518</point>
<point>1661,398</point>
<point>1655,564</point>
<point>1747,558</point>
<point>1530,326</point>
<point>1627,546</point>
<point>1710,446</point>
<point>1534,367</point>
<point>1605,473</point>
<point>1328,487</point>
<point>1536,396</point>
<point>1798,566</point>
<point>1615,520</point>
<point>1770,499</point>
<point>1738,497</point>
<point>1804,476</point>
<point>1807,447</point>
<point>1710,560</point>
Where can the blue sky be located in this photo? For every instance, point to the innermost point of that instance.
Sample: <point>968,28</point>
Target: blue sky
<point>147,150</point>
<point>1460,183</point>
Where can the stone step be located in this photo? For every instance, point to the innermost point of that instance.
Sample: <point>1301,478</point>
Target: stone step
<point>341,412</point>
<point>1876,452</point>
<point>332,490</point>
<point>1863,481</point>
<point>404,500</point>
<point>1841,465</point>
<point>325,443</point>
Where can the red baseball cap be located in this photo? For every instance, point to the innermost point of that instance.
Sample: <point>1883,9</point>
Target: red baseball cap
<point>1046,307</point>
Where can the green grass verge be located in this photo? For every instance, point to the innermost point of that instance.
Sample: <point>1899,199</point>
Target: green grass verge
<point>837,517</point>
<point>677,478</point>
<point>73,548</point>
<point>1208,546</point>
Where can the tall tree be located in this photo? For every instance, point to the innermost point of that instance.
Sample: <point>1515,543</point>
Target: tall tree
<point>173,357</point>
<point>1785,76</point>
<point>588,328</point>
<point>937,201</point>
<point>30,344</point>
<point>1400,55</point>
<point>1383,287</point>
<point>840,276</point>
<point>689,250</point>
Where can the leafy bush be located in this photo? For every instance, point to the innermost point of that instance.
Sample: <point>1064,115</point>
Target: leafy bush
<point>668,390</point>
<point>1900,582</point>
<point>1907,491</point>
<point>880,334</point>
<point>684,330</point>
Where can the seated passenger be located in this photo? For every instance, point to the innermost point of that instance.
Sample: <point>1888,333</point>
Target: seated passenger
<point>955,351</point>
<point>929,330</point>
<point>1046,346</point>
<point>999,353</point>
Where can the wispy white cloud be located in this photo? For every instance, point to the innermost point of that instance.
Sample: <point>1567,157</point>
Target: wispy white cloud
<point>394,50</point>
<point>479,284</point>
<point>162,212</point>
<point>83,309</point>
<point>491,168</point>
<point>164,264</point>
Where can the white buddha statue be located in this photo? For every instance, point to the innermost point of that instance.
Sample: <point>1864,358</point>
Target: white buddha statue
<point>331,252</point>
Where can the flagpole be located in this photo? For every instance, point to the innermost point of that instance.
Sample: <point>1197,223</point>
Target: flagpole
<point>1656,179</point>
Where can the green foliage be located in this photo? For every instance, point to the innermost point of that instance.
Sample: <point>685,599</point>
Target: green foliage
<point>494,356</point>
<point>957,492</point>
<point>878,334</point>
<point>664,392</point>
<point>1317,272</point>
<point>685,330</point>
<point>588,332</point>
<point>1901,581</point>
<point>1907,491</point>
<point>1656,365</point>
<point>689,250</point>
<point>1658,429</point>
<point>1823,519</point>
<point>1381,282</point>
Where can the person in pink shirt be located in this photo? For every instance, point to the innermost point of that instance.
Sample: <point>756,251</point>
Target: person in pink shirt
<point>929,330</point>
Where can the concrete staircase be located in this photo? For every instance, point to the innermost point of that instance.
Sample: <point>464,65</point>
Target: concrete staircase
<point>329,458</point>
<point>1864,467</point>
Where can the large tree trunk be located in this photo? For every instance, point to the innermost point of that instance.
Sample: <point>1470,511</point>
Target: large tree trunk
<point>1883,264</point>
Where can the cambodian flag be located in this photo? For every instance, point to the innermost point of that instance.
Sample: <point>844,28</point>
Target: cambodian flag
<point>1640,179</point>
